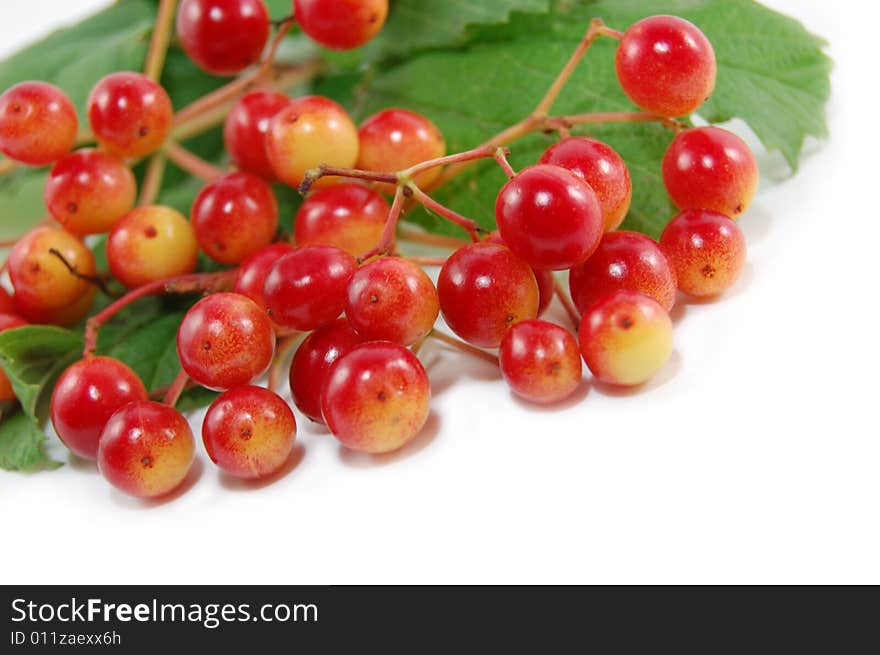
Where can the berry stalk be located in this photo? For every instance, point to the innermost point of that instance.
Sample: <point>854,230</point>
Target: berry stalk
<point>464,347</point>
<point>158,48</point>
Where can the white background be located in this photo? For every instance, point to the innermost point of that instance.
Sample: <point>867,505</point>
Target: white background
<point>752,459</point>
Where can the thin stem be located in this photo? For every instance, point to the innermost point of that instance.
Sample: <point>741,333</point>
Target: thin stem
<point>501,158</point>
<point>7,165</point>
<point>160,39</point>
<point>415,235</point>
<point>152,182</point>
<point>426,261</point>
<point>480,152</point>
<point>282,352</point>
<point>464,347</point>
<point>95,280</point>
<point>564,122</point>
<point>190,162</point>
<point>565,299</point>
<point>386,243</point>
<point>324,170</point>
<point>196,282</point>
<point>430,204</point>
<point>173,394</point>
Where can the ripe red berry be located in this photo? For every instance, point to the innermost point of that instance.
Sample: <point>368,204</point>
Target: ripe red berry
<point>540,361</point>
<point>341,24</point>
<point>312,361</point>
<point>89,190</point>
<point>223,37</point>
<point>549,217</point>
<point>7,305</point>
<point>392,299</point>
<point>8,321</point>
<point>395,139</point>
<point>666,65</point>
<point>40,278</point>
<point>485,289</point>
<point>249,432</point>
<point>308,132</point>
<point>225,340</point>
<point>706,249</point>
<point>253,271</point>
<point>86,395</point>
<point>234,217</point>
<point>38,123</point>
<point>64,316</point>
<point>599,166</point>
<point>149,244</point>
<point>623,260</point>
<point>130,114</point>
<point>146,449</point>
<point>710,168</point>
<point>376,397</point>
<point>346,215</point>
<point>245,130</point>
<point>625,338</point>
<point>544,278</point>
<point>305,289</point>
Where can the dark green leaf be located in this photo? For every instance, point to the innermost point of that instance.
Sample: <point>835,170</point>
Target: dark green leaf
<point>21,444</point>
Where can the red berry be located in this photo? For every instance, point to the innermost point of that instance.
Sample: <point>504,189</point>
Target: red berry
<point>625,338</point>
<point>253,271</point>
<point>341,24</point>
<point>234,217</point>
<point>305,289</point>
<point>245,130</point>
<point>249,432</point>
<point>64,316</point>
<point>146,449</point>
<point>395,139</point>
<point>38,123</point>
<point>225,340</point>
<point>666,65</point>
<point>549,217</point>
<point>86,395</point>
<point>392,299</point>
<point>544,278</point>
<point>130,114</point>
<point>312,361</point>
<point>706,249</point>
<point>540,361</point>
<point>376,397</point>
<point>710,168</point>
<point>623,260</point>
<point>8,321</point>
<point>484,290</point>
<point>7,305</point>
<point>223,37</point>
<point>89,190</point>
<point>346,215</point>
<point>599,166</point>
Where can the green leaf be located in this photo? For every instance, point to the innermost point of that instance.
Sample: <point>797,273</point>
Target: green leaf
<point>21,445</point>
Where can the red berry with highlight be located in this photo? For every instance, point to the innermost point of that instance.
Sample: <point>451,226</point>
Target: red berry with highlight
<point>666,65</point>
<point>244,132</point>
<point>7,305</point>
<point>544,278</point>
<point>346,215</point>
<point>341,24</point>
<point>8,321</point>
<point>540,361</point>
<point>86,395</point>
<point>225,340</point>
<point>706,249</point>
<point>252,273</point>
<point>38,123</point>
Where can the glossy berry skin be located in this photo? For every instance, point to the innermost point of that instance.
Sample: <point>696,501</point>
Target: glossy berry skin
<point>623,260</point>
<point>706,249</point>
<point>223,37</point>
<point>484,289</point>
<point>376,398</point>
<point>146,449</point>
<point>392,299</point>
<point>710,168</point>
<point>346,215</point>
<point>599,166</point>
<point>306,288</point>
<point>544,278</point>
<point>234,217</point>
<point>38,123</point>
<point>249,432</point>
<point>65,316</point>
<point>549,217</point>
<point>313,360</point>
<point>40,279</point>
<point>244,132</point>
<point>88,191</point>
<point>86,395</point>
<point>8,321</point>
<point>341,24</point>
<point>308,132</point>
<point>666,65</point>
<point>253,271</point>
<point>625,338</point>
<point>7,305</point>
<point>149,244</point>
<point>395,139</point>
<point>540,361</point>
<point>130,114</point>
<point>225,341</point>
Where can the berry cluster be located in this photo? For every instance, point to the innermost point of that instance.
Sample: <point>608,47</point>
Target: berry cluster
<point>355,308</point>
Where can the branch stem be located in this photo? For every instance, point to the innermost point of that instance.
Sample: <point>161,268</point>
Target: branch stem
<point>152,182</point>
<point>565,299</point>
<point>190,162</point>
<point>464,347</point>
<point>158,48</point>
<point>172,395</point>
